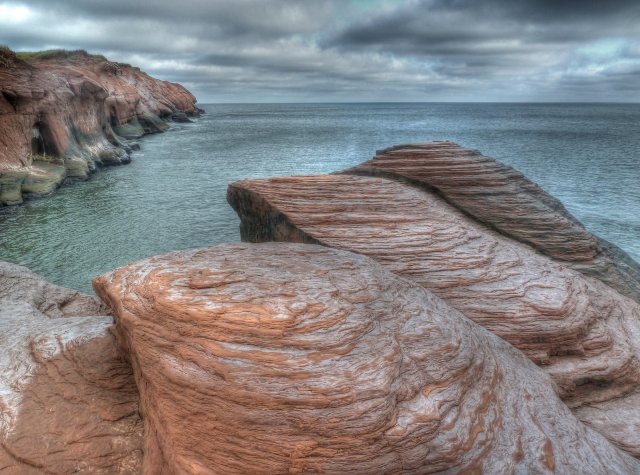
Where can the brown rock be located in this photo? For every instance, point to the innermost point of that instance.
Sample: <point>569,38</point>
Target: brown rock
<point>506,200</point>
<point>283,358</point>
<point>68,401</point>
<point>583,333</point>
<point>72,109</point>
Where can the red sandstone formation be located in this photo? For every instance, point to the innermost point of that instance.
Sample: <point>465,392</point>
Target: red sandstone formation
<point>283,358</point>
<point>581,331</point>
<point>68,402</point>
<point>62,114</point>
<point>505,199</point>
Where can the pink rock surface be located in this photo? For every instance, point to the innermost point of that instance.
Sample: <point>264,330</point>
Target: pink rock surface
<point>284,358</point>
<point>68,401</point>
<point>581,331</point>
<point>505,199</point>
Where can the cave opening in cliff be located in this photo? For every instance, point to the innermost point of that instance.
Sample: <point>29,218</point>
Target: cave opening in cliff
<point>11,98</point>
<point>41,144</point>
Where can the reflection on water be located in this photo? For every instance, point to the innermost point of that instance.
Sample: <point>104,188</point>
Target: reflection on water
<point>173,195</point>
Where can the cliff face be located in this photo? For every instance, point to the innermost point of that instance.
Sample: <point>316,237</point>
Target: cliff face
<point>63,114</point>
<point>581,330</point>
<point>285,358</point>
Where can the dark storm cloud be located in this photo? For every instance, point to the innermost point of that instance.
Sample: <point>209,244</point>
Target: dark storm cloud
<point>528,41</point>
<point>450,27</point>
<point>257,50</point>
<point>566,10</point>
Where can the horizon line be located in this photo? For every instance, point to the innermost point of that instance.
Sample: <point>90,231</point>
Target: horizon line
<point>426,102</point>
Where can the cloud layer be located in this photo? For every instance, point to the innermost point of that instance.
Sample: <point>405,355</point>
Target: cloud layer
<point>357,50</point>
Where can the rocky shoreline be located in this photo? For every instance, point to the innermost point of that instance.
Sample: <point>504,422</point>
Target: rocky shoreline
<point>428,311</point>
<point>66,114</point>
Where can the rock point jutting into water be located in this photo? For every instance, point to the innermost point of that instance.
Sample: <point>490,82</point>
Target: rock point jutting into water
<point>478,235</point>
<point>504,199</point>
<point>434,311</point>
<point>65,113</point>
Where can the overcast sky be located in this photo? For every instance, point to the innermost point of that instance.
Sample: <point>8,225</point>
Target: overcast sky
<point>354,50</point>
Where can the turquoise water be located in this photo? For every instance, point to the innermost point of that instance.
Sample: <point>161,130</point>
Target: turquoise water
<point>173,195</point>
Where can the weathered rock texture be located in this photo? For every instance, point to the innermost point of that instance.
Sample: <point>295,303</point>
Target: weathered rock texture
<point>283,358</point>
<point>68,401</point>
<point>505,199</point>
<point>63,114</point>
<point>584,333</point>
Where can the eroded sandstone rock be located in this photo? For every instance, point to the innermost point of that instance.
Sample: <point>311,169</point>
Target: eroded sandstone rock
<point>284,358</point>
<point>68,401</point>
<point>580,330</point>
<point>503,198</point>
<point>63,114</point>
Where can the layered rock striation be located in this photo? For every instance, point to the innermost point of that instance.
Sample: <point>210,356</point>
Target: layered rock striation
<point>68,401</point>
<point>285,358</point>
<point>583,332</point>
<point>372,343</point>
<point>506,200</point>
<point>63,114</point>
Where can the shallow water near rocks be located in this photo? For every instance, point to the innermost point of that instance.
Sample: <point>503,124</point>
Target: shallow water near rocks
<point>173,194</point>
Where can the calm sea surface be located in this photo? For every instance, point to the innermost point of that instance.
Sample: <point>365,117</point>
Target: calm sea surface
<point>173,195</point>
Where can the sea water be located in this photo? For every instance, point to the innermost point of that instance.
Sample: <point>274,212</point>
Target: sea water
<point>173,194</point>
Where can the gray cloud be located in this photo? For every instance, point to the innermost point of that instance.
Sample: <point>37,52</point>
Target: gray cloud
<point>327,50</point>
<point>230,18</point>
<point>491,27</point>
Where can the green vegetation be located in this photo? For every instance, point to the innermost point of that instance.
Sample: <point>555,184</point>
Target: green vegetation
<point>57,54</point>
<point>7,58</point>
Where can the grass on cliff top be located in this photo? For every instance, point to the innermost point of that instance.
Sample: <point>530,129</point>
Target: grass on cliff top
<point>7,53</point>
<point>57,54</point>
<point>7,57</point>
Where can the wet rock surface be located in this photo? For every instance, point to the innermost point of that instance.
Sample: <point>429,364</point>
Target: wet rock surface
<point>68,401</point>
<point>285,358</point>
